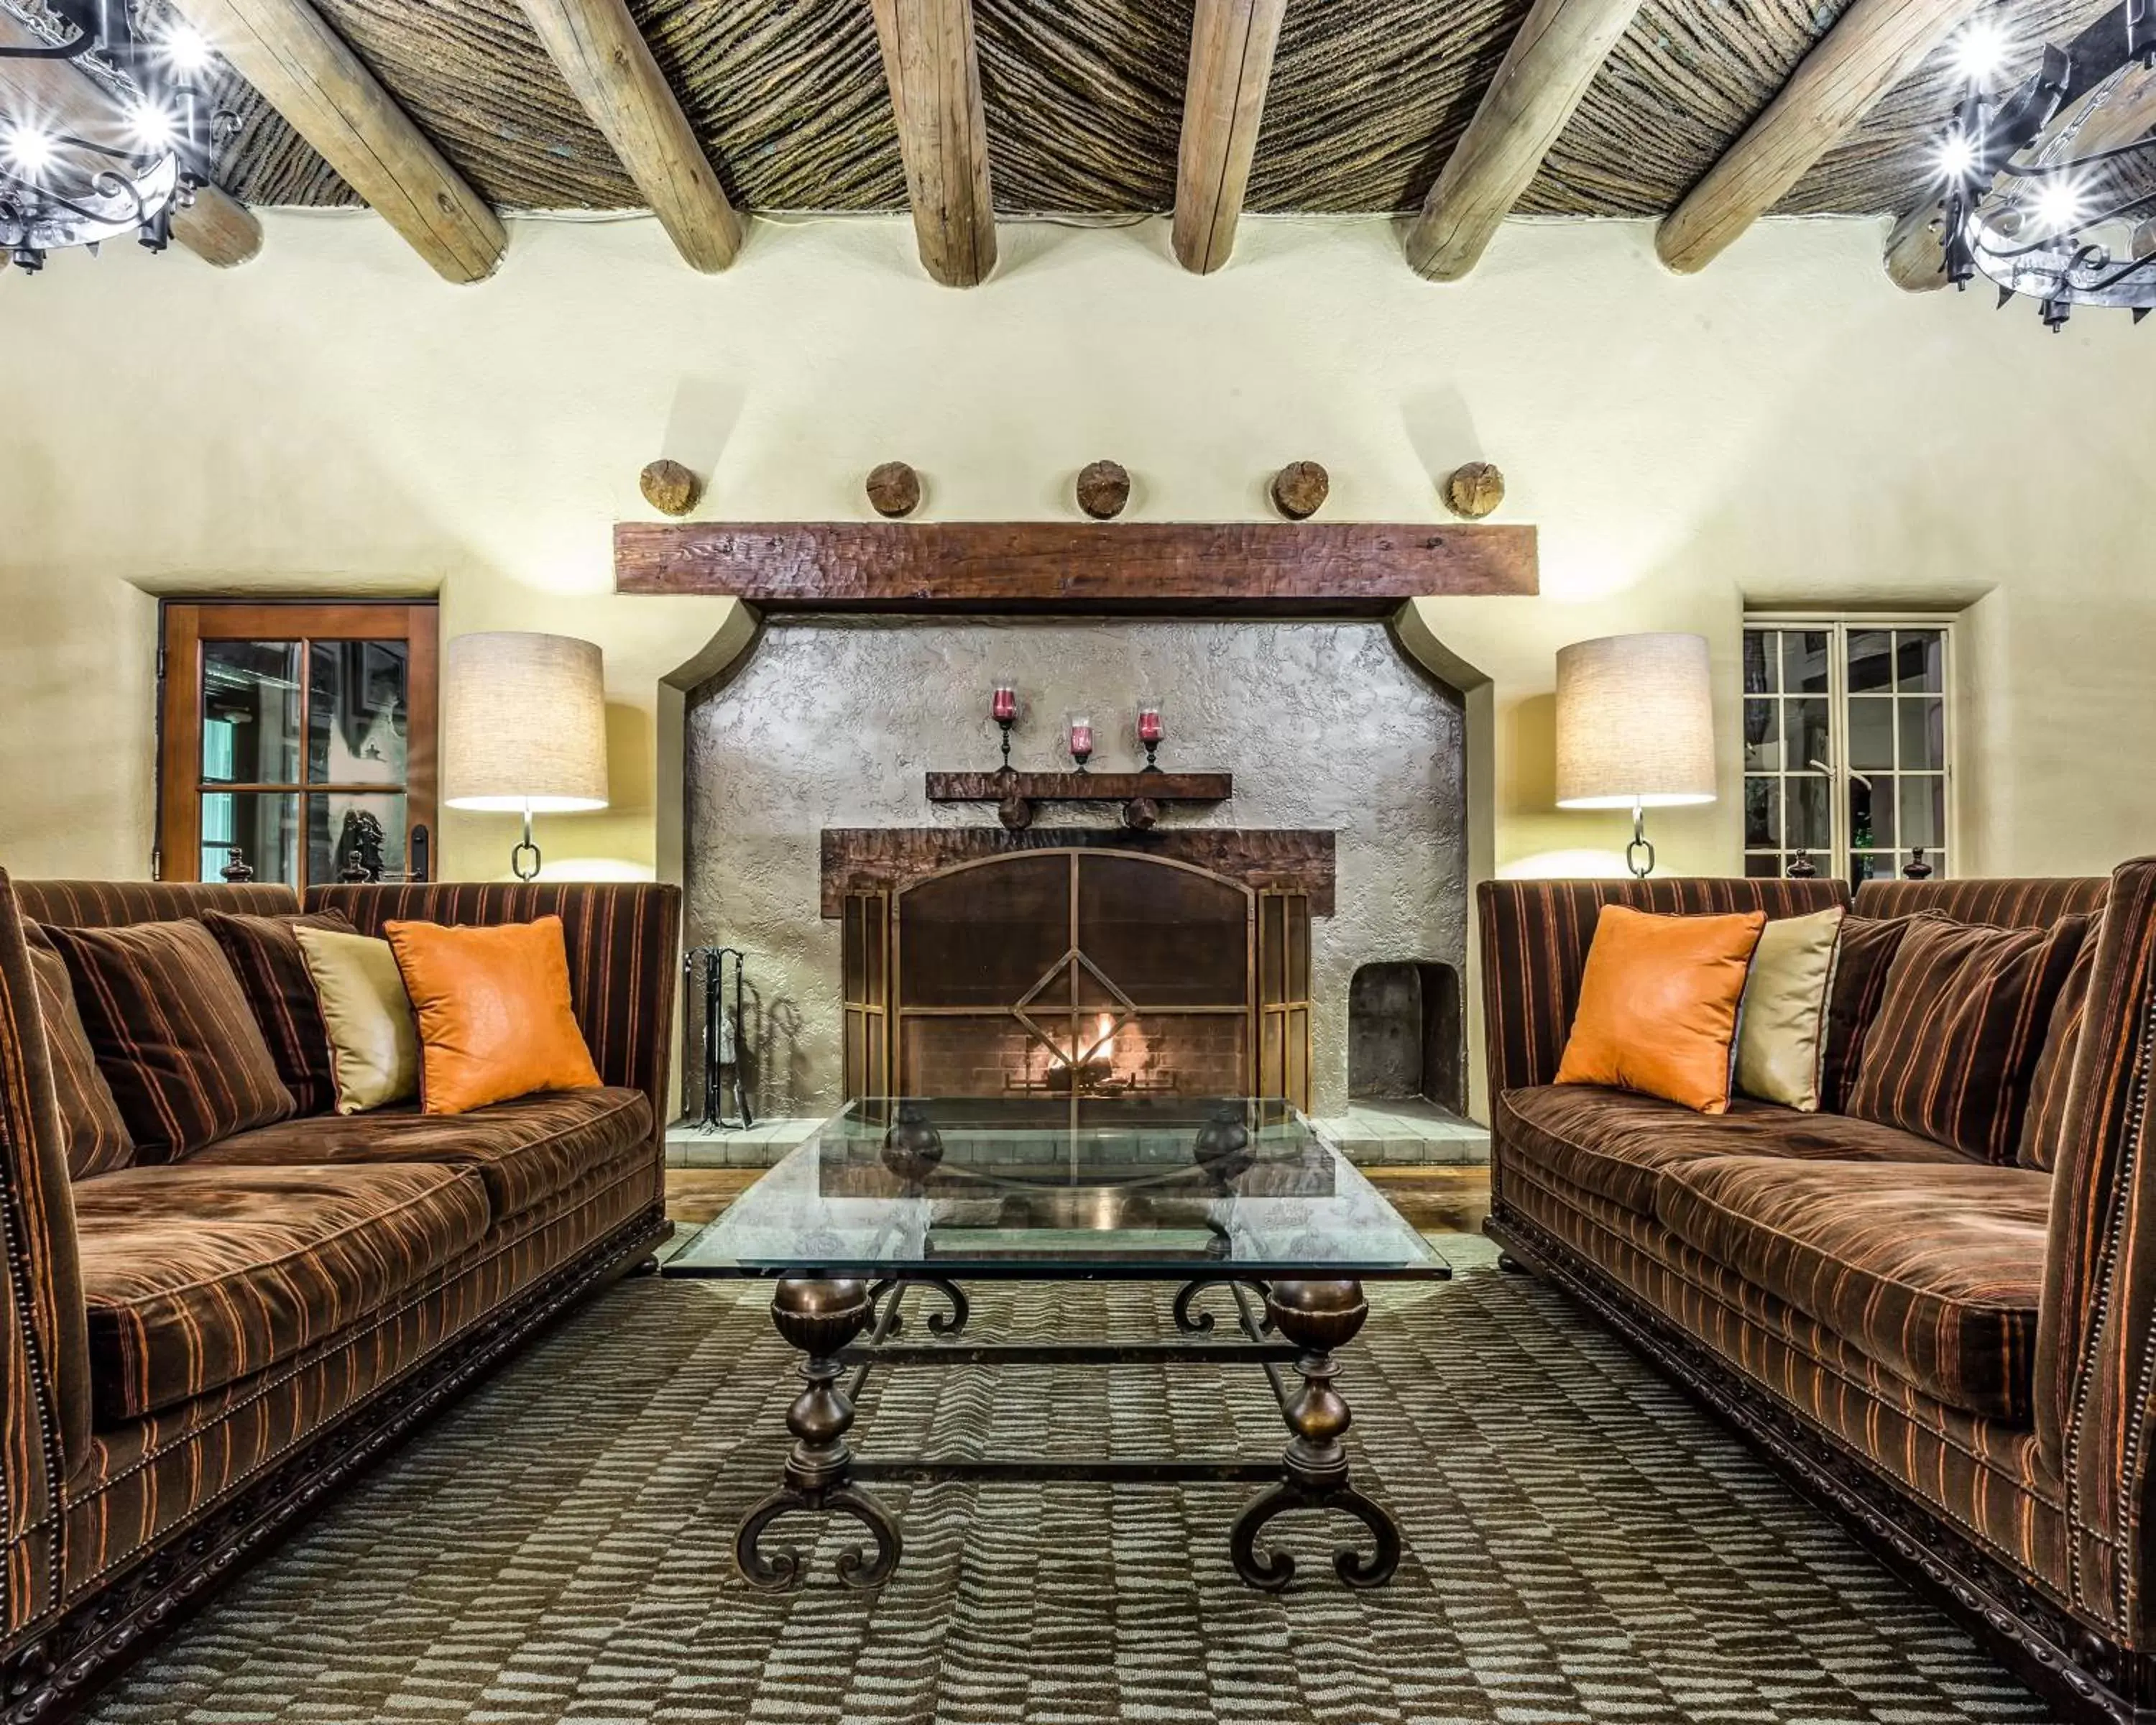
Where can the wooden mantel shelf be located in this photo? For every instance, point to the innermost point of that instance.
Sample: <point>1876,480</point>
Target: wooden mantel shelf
<point>1141,793</point>
<point>1017,568</point>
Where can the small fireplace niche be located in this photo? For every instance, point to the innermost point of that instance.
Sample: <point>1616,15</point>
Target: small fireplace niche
<point>1407,1040</point>
<point>1074,966</point>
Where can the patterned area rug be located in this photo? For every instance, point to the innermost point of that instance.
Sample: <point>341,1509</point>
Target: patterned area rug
<point>1581,1546</point>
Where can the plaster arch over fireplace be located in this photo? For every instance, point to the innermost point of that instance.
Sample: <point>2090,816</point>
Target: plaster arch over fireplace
<point>833,722</point>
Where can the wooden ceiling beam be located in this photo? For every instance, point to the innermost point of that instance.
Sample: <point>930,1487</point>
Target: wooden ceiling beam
<point>1871,47</point>
<point>1224,104</point>
<point>217,227</point>
<point>1560,47</point>
<point>305,71</point>
<point>934,72</point>
<point>611,70</point>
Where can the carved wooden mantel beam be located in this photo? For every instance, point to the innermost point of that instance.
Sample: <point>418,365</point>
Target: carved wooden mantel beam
<point>1237,569</point>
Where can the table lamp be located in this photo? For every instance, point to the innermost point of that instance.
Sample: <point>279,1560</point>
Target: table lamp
<point>524,729</point>
<point>1634,729</point>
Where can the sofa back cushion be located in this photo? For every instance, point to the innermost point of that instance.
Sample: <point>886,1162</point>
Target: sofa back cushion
<point>90,1126</point>
<point>1953,1049</point>
<point>280,992</point>
<point>1862,957</point>
<point>173,1034</point>
<point>2046,1120</point>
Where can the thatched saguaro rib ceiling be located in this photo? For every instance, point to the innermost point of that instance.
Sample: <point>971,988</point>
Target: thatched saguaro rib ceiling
<point>1084,100</point>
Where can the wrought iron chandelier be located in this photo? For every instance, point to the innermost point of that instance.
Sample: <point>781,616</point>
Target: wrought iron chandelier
<point>58,188</point>
<point>2050,187</point>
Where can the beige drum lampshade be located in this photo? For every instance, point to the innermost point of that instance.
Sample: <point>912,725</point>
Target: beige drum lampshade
<point>1635,722</point>
<point>524,723</point>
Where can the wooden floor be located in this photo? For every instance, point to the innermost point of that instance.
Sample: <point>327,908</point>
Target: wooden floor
<point>1444,1199</point>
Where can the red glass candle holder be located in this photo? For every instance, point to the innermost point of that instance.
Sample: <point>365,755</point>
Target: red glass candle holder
<point>1002,708</point>
<point>1081,739</point>
<point>1150,733</point>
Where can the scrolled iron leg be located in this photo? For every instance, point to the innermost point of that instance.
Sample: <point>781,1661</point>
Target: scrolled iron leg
<point>818,1318</point>
<point>1319,1317</point>
<point>952,1322</point>
<point>1191,1320</point>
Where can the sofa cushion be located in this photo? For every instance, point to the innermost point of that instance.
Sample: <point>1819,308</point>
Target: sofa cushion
<point>2045,1124</point>
<point>265,955</point>
<point>1933,1269</point>
<point>1953,1049</point>
<point>196,1277</point>
<point>95,1136</point>
<point>173,1034</point>
<point>1861,958</point>
<point>1616,1144</point>
<point>525,1150</point>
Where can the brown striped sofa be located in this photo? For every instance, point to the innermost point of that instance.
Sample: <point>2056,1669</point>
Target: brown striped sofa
<point>152,1440</point>
<point>1955,1356</point>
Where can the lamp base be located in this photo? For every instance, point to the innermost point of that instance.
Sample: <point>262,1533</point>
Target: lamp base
<point>1640,854</point>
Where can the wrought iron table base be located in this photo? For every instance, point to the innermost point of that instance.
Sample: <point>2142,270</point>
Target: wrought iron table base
<point>823,1320</point>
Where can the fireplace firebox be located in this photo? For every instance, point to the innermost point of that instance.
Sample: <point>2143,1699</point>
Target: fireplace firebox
<point>1079,970</point>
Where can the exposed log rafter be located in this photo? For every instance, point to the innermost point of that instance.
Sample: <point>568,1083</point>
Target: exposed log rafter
<point>217,229</point>
<point>1545,74</point>
<point>610,69</point>
<point>305,71</point>
<point>1224,104</point>
<point>1871,47</point>
<point>933,69</point>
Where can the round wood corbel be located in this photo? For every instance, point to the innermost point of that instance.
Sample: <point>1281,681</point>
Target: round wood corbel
<point>1104,487</point>
<point>669,488</point>
<point>894,491</point>
<point>1300,489</point>
<point>1473,491</point>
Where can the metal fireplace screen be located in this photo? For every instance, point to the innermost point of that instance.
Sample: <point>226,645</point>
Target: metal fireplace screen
<point>1078,973</point>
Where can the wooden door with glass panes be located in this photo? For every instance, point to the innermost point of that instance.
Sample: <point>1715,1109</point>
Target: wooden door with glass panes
<point>1848,747</point>
<point>296,741</point>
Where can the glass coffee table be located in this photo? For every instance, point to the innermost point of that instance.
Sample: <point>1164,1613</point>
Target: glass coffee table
<point>1236,1200</point>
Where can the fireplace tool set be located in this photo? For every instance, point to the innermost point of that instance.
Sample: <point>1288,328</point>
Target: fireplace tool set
<point>725,1041</point>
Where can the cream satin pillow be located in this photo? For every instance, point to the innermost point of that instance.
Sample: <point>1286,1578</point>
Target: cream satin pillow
<point>1781,1032</point>
<point>374,1042</point>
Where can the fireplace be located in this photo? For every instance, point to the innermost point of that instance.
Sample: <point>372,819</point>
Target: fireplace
<point>893,941</point>
<point>1076,963</point>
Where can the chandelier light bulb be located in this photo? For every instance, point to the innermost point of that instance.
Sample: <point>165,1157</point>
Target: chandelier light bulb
<point>1957,154</point>
<point>151,125</point>
<point>2058,208</point>
<point>27,149</point>
<point>186,48</point>
<point>1980,50</point>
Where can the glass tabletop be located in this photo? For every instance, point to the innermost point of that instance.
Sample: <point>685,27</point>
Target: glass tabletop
<point>1033,1188</point>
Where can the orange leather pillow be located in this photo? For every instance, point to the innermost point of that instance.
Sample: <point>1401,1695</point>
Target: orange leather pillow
<point>492,1009</point>
<point>1658,1005</point>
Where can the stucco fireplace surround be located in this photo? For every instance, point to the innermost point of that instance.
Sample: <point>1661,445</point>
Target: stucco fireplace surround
<point>1295,908</point>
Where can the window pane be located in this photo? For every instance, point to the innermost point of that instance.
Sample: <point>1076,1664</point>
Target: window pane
<point>1805,661</point>
<point>356,712</point>
<point>1870,660</point>
<point>1924,812</point>
<point>1805,728</point>
<point>1872,865</point>
<point>1870,814</point>
<point>1761,827</point>
<point>1923,734</point>
<point>1763,868</point>
<point>250,713</point>
<point>1760,656</point>
<point>1920,659</point>
<point>260,827</point>
<point>1762,735</point>
<point>1871,736</point>
<point>1809,825</point>
<point>363,829</point>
